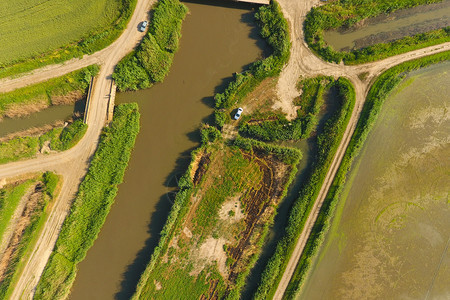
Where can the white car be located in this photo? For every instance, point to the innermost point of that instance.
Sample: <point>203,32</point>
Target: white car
<point>143,26</point>
<point>238,113</point>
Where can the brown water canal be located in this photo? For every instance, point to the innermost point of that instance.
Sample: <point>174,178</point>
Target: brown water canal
<point>399,24</point>
<point>390,236</point>
<point>44,117</point>
<point>218,39</point>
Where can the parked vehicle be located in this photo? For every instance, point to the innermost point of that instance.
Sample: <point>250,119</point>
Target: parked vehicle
<point>143,26</point>
<point>238,113</point>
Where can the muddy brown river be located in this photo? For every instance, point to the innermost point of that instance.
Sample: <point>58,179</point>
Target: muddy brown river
<point>218,39</point>
<point>389,238</point>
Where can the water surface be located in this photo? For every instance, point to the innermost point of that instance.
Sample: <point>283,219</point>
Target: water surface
<point>406,22</point>
<point>218,39</point>
<point>390,235</point>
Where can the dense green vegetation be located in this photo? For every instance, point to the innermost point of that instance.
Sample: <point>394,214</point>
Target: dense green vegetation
<point>378,93</point>
<point>151,61</point>
<point>35,33</point>
<point>273,28</point>
<point>59,139</point>
<point>240,174</point>
<point>92,204</point>
<point>345,13</point>
<point>10,196</point>
<point>327,143</point>
<point>273,126</point>
<point>44,93</point>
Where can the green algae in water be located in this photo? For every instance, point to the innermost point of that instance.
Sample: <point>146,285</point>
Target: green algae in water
<point>389,238</point>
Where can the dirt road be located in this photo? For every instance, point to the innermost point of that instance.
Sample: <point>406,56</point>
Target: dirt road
<point>304,63</point>
<point>71,164</point>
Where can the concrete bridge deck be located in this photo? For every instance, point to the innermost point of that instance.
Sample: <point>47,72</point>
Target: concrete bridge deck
<point>255,1</point>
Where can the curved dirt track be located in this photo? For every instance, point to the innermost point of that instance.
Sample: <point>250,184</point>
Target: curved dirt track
<point>71,164</point>
<point>304,63</point>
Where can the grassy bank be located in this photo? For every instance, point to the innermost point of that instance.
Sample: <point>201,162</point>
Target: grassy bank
<point>274,126</point>
<point>378,93</point>
<point>274,29</point>
<point>327,143</point>
<point>57,31</point>
<point>65,89</point>
<point>151,61</point>
<point>32,219</point>
<point>92,204</point>
<point>226,198</point>
<point>57,139</point>
<point>347,13</point>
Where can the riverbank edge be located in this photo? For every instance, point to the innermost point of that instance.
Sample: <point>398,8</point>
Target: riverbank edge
<point>378,93</point>
<point>92,203</point>
<point>328,142</point>
<point>316,22</point>
<point>93,43</point>
<point>52,183</point>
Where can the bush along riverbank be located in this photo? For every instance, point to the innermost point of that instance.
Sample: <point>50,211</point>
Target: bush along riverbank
<point>151,61</point>
<point>273,126</point>
<point>92,203</point>
<point>349,12</point>
<point>274,29</point>
<point>226,197</point>
<point>66,89</point>
<point>92,42</point>
<point>378,93</point>
<point>38,192</point>
<point>327,142</point>
<point>56,139</point>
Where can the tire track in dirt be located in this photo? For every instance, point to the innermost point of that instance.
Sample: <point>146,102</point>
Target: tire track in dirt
<point>304,63</point>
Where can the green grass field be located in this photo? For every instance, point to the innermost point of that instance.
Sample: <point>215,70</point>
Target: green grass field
<point>31,27</point>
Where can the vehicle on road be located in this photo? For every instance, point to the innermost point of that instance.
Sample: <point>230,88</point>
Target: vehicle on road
<point>238,113</point>
<point>143,26</point>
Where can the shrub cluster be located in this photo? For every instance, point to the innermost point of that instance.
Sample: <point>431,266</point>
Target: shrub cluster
<point>92,204</point>
<point>345,13</point>
<point>328,141</point>
<point>378,93</point>
<point>151,61</point>
<point>209,134</point>
<point>274,28</point>
<point>274,126</point>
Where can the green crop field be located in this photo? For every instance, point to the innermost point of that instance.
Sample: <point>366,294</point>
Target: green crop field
<point>31,27</point>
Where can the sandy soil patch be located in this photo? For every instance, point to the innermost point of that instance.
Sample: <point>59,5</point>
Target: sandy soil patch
<point>231,210</point>
<point>210,252</point>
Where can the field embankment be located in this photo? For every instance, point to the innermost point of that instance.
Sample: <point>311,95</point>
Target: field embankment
<point>36,33</point>
<point>345,14</point>
<point>225,203</point>
<point>274,29</point>
<point>151,61</point>
<point>59,138</point>
<point>23,211</point>
<point>378,93</point>
<point>91,206</point>
<point>327,143</point>
<point>61,90</point>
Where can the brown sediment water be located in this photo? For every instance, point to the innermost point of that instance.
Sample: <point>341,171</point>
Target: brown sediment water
<point>44,117</point>
<point>406,22</point>
<point>218,39</point>
<point>389,238</point>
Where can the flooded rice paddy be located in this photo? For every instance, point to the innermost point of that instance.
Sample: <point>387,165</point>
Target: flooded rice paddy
<point>219,38</point>
<point>389,238</point>
<point>394,26</point>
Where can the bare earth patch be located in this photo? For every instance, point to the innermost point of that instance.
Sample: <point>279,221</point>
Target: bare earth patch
<point>210,252</point>
<point>231,210</point>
